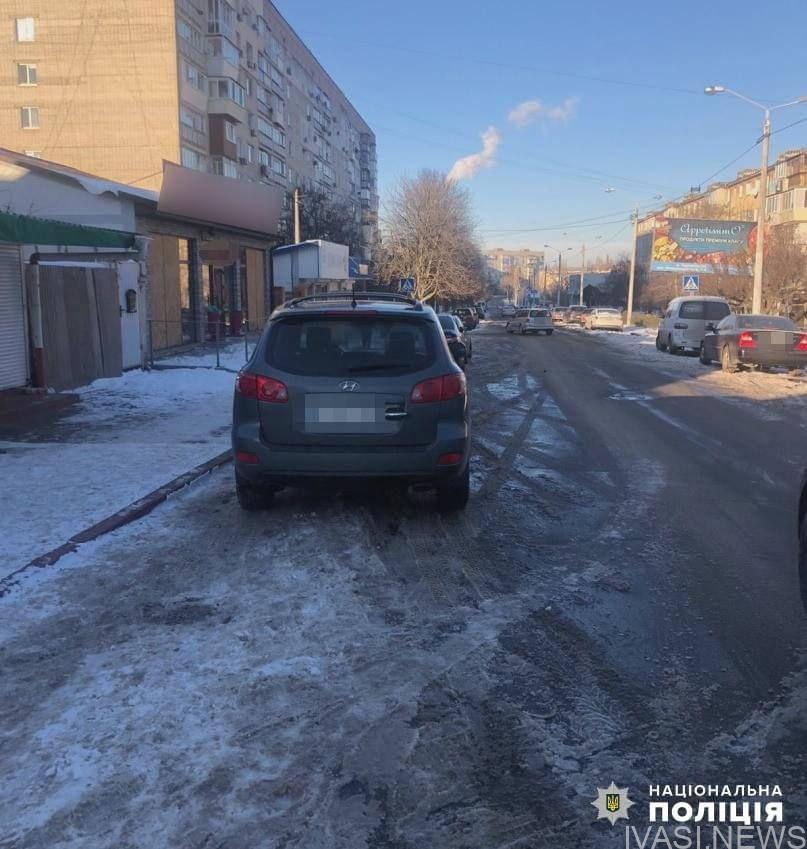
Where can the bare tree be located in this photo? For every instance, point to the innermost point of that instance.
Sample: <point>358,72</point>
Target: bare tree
<point>428,234</point>
<point>785,274</point>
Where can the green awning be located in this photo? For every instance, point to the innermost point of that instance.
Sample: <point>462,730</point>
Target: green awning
<point>25,230</point>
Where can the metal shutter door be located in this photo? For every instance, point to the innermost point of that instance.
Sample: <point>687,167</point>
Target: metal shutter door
<point>13,358</point>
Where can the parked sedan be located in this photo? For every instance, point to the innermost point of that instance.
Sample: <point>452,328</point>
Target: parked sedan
<point>604,318</point>
<point>576,314</point>
<point>761,340</point>
<point>458,342</point>
<point>531,321</point>
<point>467,316</point>
<point>559,315</point>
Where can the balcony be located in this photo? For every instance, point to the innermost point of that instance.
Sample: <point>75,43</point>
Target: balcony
<point>193,136</point>
<point>227,98</point>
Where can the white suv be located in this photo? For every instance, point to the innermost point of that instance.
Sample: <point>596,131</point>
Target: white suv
<point>684,323</point>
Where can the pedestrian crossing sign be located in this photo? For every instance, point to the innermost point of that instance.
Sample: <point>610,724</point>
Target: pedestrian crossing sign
<point>692,283</point>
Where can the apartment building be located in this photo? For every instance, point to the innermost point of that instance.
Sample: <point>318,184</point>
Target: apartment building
<point>525,261</point>
<point>785,204</point>
<point>224,87</point>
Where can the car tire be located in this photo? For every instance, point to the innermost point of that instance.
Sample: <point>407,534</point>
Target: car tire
<point>727,361</point>
<point>453,496</point>
<point>660,346</point>
<point>523,330</point>
<point>251,497</point>
<point>548,332</point>
<point>702,356</point>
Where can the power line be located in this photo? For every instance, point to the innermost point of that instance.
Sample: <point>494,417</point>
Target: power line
<point>788,126</point>
<point>531,68</point>
<point>728,164</point>
<point>555,227</point>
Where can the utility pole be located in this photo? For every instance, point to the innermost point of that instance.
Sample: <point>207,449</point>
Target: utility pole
<point>631,282</point>
<point>583,274</point>
<point>759,258</point>
<point>560,258</point>
<point>295,202</point>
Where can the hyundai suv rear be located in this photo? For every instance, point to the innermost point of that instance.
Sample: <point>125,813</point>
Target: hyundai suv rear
<point>343,387</point>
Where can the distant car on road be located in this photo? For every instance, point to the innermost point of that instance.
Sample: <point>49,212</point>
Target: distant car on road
<point>683,325</point>
<point>467,316</point>
<point>761,340</point>
<point>531,321</point>
<point>604,318</point>
<point>508,310</point>
<point>351,387</point>
<point>576,314</point>
<point>458,343</point>
<point>559,315</point>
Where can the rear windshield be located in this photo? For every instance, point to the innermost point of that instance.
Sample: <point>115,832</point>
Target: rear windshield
<point>704,310</point>
<point>447,322</point>
<point>336,347</point>
<point>765,322</point>
<point>522,313</point>
<point>537,313</point>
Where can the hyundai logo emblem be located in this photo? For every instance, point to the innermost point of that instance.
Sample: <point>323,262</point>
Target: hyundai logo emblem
<point>349,386</point>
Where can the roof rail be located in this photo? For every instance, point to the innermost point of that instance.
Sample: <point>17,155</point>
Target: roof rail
<point>354,297</point>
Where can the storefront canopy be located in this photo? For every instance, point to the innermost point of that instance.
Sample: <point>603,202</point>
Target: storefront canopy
<point>25,230</point>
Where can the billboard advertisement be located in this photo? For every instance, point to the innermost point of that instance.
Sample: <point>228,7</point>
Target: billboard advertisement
<point>695,246</point>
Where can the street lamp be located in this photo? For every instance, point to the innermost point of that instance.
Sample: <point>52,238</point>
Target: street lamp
<point>756,305</point>
<point>560,259</point>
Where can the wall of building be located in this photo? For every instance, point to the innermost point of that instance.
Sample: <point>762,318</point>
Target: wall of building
<point>106,85</point>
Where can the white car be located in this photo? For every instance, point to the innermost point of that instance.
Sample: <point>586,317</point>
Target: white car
<point>508,310</point>
<point>684,323</point>
<point>531,321</point>
<point>604,318</point>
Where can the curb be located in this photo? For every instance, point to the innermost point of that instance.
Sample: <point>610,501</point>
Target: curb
<point>131,513</point>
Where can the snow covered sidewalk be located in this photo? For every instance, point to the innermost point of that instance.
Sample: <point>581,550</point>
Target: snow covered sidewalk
<point>640,343</point>
<point>126,437</point>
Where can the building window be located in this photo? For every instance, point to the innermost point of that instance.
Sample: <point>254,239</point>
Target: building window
<point>194,76</point>
<point>25,29</point>
<point>250,154</point>
<point>227,51</point>
<point>222,17</point>
<point>190,34</point>
<point>224,167</point>
<point>225,87</point>
<point>192,159</point>
<point>191,118</point>
<point>29,117</point>
<point>264,157</point>
<point>229,132</point>
<point>26,74</point>
<point>278,166</point>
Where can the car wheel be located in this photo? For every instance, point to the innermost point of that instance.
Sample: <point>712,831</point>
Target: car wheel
<point>523,330</point>
<point>659,344</point>
<point>454,495</point>
<point>702,356</point>
<point>727,360</point>
<point>548,332</point>
<point>252,497</point>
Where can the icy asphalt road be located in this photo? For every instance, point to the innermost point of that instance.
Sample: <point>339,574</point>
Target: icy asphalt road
<point>619,602</point>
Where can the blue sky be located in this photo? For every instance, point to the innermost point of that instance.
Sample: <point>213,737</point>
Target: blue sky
<point>431,77</point>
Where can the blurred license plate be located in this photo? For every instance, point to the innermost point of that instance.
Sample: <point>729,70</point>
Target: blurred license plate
<point>328,412</point>
<point>779,337</point>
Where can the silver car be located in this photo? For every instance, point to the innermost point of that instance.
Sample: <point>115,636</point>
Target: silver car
<point>345,387</point>
<point>604,318</point>
<point>684,323</point>
<point>531,321</point>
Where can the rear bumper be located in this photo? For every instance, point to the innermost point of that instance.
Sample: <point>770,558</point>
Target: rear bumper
<point>771,358</point>
<point>289,465</point>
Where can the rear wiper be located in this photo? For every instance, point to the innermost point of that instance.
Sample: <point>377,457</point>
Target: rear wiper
<point>379,367</point>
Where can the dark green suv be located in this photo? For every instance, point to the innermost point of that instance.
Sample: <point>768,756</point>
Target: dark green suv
<point>345,387</point>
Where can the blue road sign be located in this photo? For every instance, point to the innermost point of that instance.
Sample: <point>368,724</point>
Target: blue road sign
<point>407,285</point>
<point>691,282</point>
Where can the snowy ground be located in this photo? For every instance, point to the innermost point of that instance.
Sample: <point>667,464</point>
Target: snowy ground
<point>126,437</point>
<point>640,343</point>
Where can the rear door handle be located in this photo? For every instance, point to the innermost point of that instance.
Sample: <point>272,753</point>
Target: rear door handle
<point>396,414</point>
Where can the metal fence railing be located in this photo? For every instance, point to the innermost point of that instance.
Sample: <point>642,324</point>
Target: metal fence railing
<point>169,338</point>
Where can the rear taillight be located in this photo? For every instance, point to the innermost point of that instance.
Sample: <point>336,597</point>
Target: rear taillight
<point>747,340</point>
<point>801,345</point>
<point>261,388</point>
<point>443,388</point>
